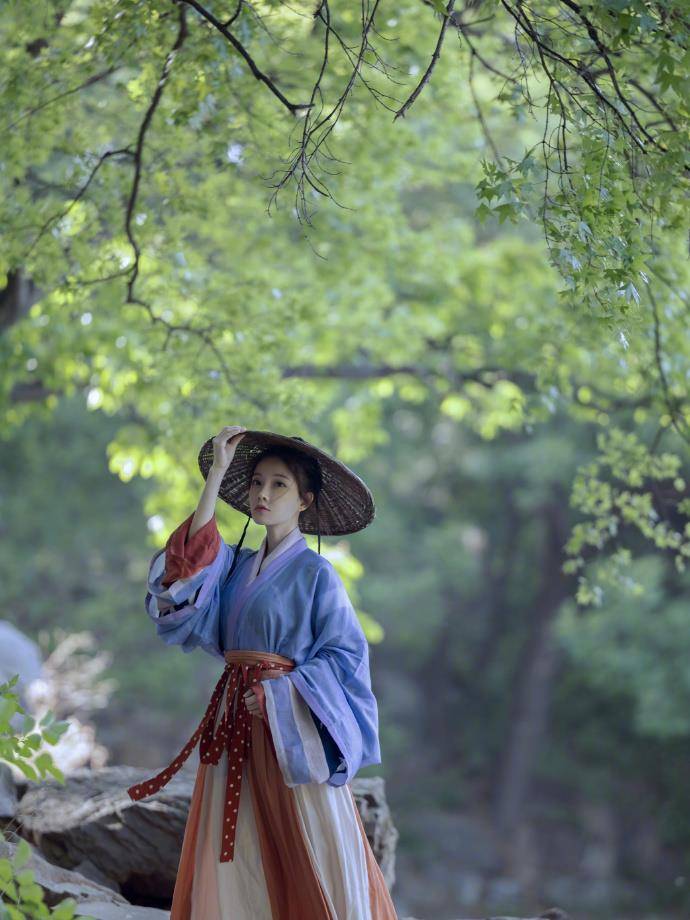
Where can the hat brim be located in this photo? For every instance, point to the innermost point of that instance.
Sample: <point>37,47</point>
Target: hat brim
<point>345,503</point>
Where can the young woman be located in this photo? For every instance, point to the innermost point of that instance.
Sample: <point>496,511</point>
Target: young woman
<point>273,832</point>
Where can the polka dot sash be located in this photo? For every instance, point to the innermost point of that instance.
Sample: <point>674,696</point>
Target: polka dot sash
<point>232,733</point>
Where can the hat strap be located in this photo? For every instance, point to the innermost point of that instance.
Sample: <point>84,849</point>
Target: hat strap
<point>236,557</point>
<point>318,523</point>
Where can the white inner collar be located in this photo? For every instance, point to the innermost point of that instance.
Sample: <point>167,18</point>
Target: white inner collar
<point>262,560</point>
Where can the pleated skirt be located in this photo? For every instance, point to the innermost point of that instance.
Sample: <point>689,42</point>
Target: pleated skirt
<point>301,852</point>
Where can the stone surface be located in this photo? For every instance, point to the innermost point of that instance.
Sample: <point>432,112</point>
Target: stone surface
<point>91,825</point>
<point>59,883</point>
<point>370,796</point>
<point>18,655</point>
<point>102,911</point>
<point>8,792</point>
<point>553,913</point>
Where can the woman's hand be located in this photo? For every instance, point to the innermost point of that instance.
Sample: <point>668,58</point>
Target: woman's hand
<point>224,446</point>
<point>255,702</point>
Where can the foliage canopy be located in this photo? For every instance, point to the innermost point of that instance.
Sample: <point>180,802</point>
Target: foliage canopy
<point>142,140</point>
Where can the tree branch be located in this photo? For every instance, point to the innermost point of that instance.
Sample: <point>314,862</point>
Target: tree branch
<point>432,63</point>
<point>294,108</point>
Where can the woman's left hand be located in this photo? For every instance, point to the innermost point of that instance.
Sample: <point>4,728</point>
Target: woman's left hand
<point>251,700</point>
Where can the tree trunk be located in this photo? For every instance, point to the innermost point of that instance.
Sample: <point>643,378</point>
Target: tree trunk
<point>534,680</point>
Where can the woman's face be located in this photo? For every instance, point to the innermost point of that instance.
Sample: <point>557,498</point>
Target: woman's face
<point>273,494</point>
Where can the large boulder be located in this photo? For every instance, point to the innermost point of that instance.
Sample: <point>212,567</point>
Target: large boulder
<point>8,792</point>
<point>59,883</point>
<point>70,680</point>
<point>90,825</point>
<point>553,913</point>
<point>119,858</point>
<point>370,796</point>
<point>19,655</point>
<point>101,910</point>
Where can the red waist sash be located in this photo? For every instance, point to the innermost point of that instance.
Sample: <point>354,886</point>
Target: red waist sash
<point>233,733</point>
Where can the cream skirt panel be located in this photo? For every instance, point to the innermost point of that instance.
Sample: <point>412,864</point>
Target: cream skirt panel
<point>237,890</point>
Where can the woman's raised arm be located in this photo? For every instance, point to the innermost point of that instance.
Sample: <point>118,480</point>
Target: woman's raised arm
<point>224,446</point>
<point>185,576</point>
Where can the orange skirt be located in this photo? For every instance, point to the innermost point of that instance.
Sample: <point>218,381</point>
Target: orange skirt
<point>301,853</point>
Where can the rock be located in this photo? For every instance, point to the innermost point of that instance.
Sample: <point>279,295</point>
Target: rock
<point>370,796</point>
<point>68,681</point>
<point>18,655</point>
<point>553,913</point>
<point>103,911</point>
<point>59,883</point>
<point>8,792</point>
<point>90,825</point>
<point>72,682</point>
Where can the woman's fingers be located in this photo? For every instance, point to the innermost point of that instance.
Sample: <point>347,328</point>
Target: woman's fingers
<point>225,443</point>
<point>252,703</point>
<point>230,431</point>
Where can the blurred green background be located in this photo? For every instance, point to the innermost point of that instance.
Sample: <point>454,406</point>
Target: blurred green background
<point>504,362</point>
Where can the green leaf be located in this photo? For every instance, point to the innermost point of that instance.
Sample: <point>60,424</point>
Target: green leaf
<point>6,870</point>
<point>65,910</point>
<point>26,877</point>
<point>9,890</point>
<point>27,769</point>
<point>22,854</point>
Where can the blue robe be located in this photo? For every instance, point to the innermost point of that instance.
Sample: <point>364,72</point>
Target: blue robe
<point>297,606</point>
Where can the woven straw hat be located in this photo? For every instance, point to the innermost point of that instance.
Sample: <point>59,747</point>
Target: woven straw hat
<point>344,503</point>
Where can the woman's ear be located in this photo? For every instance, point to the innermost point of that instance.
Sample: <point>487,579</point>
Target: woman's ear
<point>308,500</point>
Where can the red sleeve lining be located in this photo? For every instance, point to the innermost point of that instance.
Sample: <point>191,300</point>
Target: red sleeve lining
<point>183,556</point>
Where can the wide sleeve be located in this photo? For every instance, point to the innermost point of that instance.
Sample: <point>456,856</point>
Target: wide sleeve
<point>323,715</point>
<point>185,555</point>
<point>186,576</point>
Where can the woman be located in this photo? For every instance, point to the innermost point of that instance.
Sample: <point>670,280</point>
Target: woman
<point>273,832</point>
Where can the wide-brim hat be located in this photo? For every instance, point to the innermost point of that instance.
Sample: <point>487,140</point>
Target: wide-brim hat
<point>345,503</point>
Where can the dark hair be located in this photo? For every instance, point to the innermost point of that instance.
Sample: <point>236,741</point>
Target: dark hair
<point>306,471</point>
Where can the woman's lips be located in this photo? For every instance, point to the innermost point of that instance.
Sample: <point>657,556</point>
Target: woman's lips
<point>261,508</point>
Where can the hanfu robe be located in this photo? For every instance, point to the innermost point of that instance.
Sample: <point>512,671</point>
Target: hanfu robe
<point>321,716</point>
